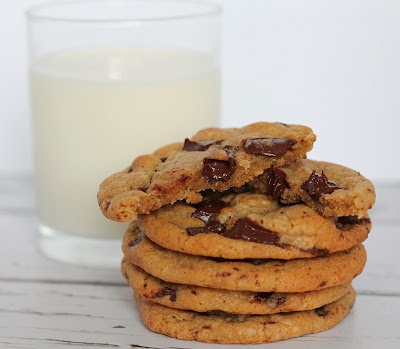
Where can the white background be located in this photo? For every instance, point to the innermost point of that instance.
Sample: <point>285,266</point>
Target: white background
<point>332,65</point>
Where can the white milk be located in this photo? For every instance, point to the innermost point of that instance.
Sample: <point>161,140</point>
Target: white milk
<point>95,111</point>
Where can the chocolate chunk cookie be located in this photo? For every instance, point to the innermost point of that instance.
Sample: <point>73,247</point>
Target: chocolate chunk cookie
<point>257,275</point>
<point>215,158</point>
<point>220,327</point>
<point>248,225</point>
<point>203,299</point>
<point>330,189</point>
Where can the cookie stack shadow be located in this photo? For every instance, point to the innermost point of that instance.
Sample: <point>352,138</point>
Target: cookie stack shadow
<point>271,259</point>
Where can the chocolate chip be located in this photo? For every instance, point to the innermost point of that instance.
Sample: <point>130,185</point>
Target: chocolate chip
<point>317,252</point>
<point>198,146</point>
<point>184,178</point>
<point>262,296</point>
<point>213,227</point>
<point>271,147</point>
<point>322,284</point>
<point>322,311</point>
<point>246,229</point>
<point>193,292</point>
<point>351,220</point>
<point>220,170</point>
<point>130,170</point>
<point>209,210</point>
<point>166,291</point>
<point>136,241</point>
<point>317,185</point>
<point>162,159</point>
<point>143,189</point>
<point>224,274</point>
<point>206,327</point>
<point>276,182</point>
<point>279,301</point>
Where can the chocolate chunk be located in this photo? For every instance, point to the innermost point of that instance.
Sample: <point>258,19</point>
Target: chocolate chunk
<point>144,190</point>
<point>198,146</point>
<point>166,291</point>
<point>279,301</point>
<point>271,147</point>
<point>262,296</point>
<point>130,170</point>
<point>209,210</point>
<point>351,220</point>
<point>322,311</point>
<point>276,182</point>
<point>317,185</point>
<point>136,241</point>
<point>317,252</point>
<point>213,227</point>
<point>163,159</point>
<point>220,170</point>
<point>246,229</point>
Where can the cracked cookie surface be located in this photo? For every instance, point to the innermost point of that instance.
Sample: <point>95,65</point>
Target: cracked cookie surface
<point>224,328</point>
<point>203,299</point>
<point>248,225</point>
<point>214,158</point>
<point>332,190</point>
<point>265,275</point>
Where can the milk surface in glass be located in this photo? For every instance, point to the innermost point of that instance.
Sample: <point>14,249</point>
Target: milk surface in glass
<point>94,111</point>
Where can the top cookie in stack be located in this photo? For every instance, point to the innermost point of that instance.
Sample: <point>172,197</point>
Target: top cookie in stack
<point>239,238</point>
<point>214,158</point>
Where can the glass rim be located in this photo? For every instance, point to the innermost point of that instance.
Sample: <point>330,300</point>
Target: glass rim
<point>211,9</point>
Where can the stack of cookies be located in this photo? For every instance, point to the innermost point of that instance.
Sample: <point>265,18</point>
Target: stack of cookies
<point>237,238</point>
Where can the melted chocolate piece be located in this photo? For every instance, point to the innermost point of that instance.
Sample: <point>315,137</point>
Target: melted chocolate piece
<point>317,185</point>
<point>271,147</point>
<point>130,170</point>
<point>351,220</point>
<point>209,210</point>
<point>144,190</point>
<point>198,146</point>
<point>220,170</point>
<point>163,159</point>
<point>213,227</point>
<point>279,301</point>
<point>322,311</point>
<point>276,182</point>
<point>136,241</point>
<point>166,291</point>
<point>246,229</point>
<point>317,252</point>
<point>262,296</point>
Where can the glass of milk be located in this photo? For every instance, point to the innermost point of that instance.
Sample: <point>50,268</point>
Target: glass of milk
<point>111,80</point>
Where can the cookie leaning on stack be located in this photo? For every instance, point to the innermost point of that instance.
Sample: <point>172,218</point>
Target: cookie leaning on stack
<point>263,248</point>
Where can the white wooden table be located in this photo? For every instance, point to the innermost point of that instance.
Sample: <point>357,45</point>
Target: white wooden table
<point>46,304</point>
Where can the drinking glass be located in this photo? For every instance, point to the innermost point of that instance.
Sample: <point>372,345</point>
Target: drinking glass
<point>111,80</point>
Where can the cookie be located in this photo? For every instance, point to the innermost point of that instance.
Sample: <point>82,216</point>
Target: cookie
<point>257,275</point>
<point>203,299</point>
<point>225,328</point>
<point>330,189</point>
<point>214,158</point>
<point>248,225</point>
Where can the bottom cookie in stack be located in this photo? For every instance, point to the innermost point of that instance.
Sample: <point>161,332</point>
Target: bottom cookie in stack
<point>238,301</point>
<point>226,328</point>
